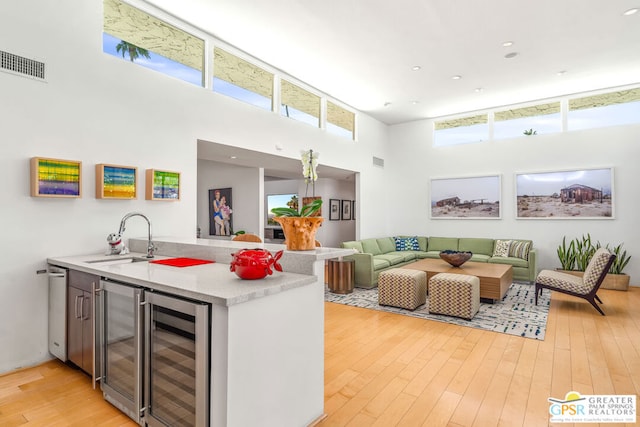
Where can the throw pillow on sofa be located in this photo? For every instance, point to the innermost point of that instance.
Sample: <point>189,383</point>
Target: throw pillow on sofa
<point>502,248</point>
<point>407,244</point>
<point>520,250</point>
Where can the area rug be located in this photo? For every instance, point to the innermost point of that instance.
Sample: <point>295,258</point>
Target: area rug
<point>515,314</point>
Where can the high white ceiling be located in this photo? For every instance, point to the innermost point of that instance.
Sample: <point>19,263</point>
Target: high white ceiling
<point>362,52</point>
<point>275,167</point>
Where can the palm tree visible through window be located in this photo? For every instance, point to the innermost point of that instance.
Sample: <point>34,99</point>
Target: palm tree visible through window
<point>134,51</point>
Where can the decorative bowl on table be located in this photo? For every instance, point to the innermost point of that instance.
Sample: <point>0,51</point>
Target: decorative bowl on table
<point>455,258</point>
<point>252,264</point>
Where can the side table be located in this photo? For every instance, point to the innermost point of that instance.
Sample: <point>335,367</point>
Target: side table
<point>341,275</point>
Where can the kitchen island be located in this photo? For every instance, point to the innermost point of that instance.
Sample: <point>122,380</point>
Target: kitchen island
<point>266,336</point>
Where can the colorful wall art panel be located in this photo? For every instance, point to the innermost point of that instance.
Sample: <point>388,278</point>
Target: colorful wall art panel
<point>55,178</point>
<point>162,185</point>
<point>115,182</point>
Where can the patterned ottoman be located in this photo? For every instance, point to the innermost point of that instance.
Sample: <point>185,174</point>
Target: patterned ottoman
<point>402,288</point>
<point>454,295</point>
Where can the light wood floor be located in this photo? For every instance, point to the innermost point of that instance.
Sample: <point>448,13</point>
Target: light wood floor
<point>386,370</point>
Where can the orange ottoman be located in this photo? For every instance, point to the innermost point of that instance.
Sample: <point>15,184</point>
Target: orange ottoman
<point>454,295</point>
<point>402,288</point>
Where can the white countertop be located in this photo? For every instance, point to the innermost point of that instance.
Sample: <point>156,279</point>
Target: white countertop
<point>213,283</point>
<point>220,246</point>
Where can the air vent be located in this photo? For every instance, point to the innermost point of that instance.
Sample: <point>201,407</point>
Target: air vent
<point>20,65</point>
<point>377,161</point>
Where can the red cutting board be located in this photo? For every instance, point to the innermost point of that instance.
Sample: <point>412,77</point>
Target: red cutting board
<point>181,262</point>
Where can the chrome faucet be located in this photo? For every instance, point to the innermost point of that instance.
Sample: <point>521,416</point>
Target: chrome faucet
<point>119,247</point>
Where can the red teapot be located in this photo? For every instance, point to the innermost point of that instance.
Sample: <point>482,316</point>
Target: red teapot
<point>251,264</point>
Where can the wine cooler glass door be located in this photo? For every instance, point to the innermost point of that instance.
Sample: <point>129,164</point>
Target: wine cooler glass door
<point>122,347</point>
<point>177,362</point>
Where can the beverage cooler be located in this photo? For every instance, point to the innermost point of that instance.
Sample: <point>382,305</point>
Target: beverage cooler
<point>155,355</point>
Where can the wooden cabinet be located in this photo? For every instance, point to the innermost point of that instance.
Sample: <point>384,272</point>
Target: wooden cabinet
<point>80,319</point>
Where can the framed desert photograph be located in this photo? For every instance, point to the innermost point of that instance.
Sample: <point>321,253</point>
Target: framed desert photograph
<point>476,197</point>
<point>570,194</point>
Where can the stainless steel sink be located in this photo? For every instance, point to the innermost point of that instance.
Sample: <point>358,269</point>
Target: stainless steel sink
<point>119,260</point>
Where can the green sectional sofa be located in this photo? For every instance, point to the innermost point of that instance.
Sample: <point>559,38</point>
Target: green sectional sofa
<point>376,255</point>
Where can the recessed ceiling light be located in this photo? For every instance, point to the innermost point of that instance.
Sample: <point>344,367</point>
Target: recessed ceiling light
<point>561,72</point>
<point>386,104</point>
<point>233,157</point>
<point>416,67</point>
<point>478,90</point>
<point>631,11</point>
<point>456,77</point>
<point>511,55</point>
<point>507,44</point>
<point>415,102</point>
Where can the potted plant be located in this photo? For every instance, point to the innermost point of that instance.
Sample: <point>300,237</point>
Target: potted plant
<point>300,227</point>
<point>575,256</point>
<point>567,255</point>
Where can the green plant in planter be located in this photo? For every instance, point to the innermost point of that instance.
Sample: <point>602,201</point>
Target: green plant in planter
<point>577,254</point>
<point>307,210</point>
<point>621,261</point>
<point>300,228</point>
<point>309,164</point>
<point>584,251</point>
<point>567,254</point>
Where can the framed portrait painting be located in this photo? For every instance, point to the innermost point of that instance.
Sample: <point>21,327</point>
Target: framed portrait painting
<point>476,197</point>
<point>569,194</point>
<point>220,212</point>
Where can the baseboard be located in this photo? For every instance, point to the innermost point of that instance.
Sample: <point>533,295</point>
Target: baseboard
<point>317,420</point>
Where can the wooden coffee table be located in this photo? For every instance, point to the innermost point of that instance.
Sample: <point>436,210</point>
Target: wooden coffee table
<point>495,279</point>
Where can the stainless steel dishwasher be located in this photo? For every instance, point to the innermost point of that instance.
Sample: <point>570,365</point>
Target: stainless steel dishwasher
<point>58,312</point>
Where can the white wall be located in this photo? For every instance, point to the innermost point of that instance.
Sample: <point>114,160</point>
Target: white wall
<point>98,108</point>
<point>615,147</point>
<point>332,233</point>
<point>246,197</point>
<point>280,186</point>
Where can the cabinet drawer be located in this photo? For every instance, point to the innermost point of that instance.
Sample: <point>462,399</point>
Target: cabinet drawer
<point>82,280</point>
